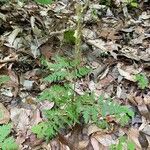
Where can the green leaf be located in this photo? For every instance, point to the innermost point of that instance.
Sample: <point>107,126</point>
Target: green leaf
<point>123,142</point>
<point>9,144</point>
<point>43,130</point>
<point>4,131</point>
<point>6,142</point>
<point>121,113</point>
<point>142,81</point>
<point>44,2</point>
<point>4,79</point>
<point>69,37</point>
<point>131,145</point>
<point>134,4</point>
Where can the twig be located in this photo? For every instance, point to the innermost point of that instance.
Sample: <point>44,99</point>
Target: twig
<point>8,60</point>
<point>97,72</point>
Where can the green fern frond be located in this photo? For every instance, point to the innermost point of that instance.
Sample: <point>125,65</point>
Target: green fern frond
<point>6,142</point>
<point>4,131</point>
<point>86,114</point>
<point>58,94</point>
<point>123,142</point>
<point>57,120</point>
<point>63,69</point>
<point>44,130</point>
<point>142,80</point>
<point>122,113</point>
<point>72,113</point>
<point>9,144</point>
<point>56,76</point>
<point>82,71</point>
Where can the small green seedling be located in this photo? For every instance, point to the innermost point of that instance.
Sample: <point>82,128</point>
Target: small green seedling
<point>142,81</point>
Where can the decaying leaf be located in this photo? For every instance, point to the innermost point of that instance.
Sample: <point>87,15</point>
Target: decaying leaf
<point>133,135</point>
<point>20,118</point>
<point>4,114</point>
<point>129,72</point>
<point>105,139</point>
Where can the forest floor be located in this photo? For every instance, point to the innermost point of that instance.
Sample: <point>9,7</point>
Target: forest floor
<point>115,44</point>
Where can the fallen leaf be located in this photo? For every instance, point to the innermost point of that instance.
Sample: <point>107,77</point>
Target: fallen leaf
<point>95,144</point>
<point>46,105</point>
<point>4,114</point>
<point>20,118</point>
<point>93,129</point>
<point>133,135</point>
<point>128,72</point>
<point>144,111</point>
<point>14,80</point>
<point>105,82</point>
<point>12,37</point>
<point>28,84</point>
<point>36,117</point>
<point>35,73</point>
<point>104,139</point>
<point>98,43</point>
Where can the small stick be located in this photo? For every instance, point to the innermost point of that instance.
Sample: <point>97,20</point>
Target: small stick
<point>8,60</point>
<point>97,72</point>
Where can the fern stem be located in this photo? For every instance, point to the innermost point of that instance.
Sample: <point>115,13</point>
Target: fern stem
<point>78,54</point>
<point>78,33</point>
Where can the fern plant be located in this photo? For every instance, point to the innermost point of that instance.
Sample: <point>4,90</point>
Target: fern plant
<point>7,142</point>
<point>70,108</point>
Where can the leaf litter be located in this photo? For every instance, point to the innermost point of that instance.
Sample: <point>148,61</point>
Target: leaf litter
<point>116,45</point>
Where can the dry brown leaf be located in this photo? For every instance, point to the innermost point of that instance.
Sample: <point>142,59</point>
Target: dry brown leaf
<point>128,72</point>
<point>46,105</point>
<point>9,58</point>
<point>109,33</point>
<point>46,51</point>
<point>2,65</point>
<point>133,135</point>
<point>93,129</point>
<point>20,118</point>
<point>95,144</point>
<point>144,111</point>
<point>34,74</point>
<point>36,117</point>
<point>104,139</point>
<point>105,82</point>
<point>83,144</point>
<point>146,129</point>
<point>11,38</point>
<point>4,114</point>
<point>34,141</point>
<point>98,43</point>
<point>14,80</point>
